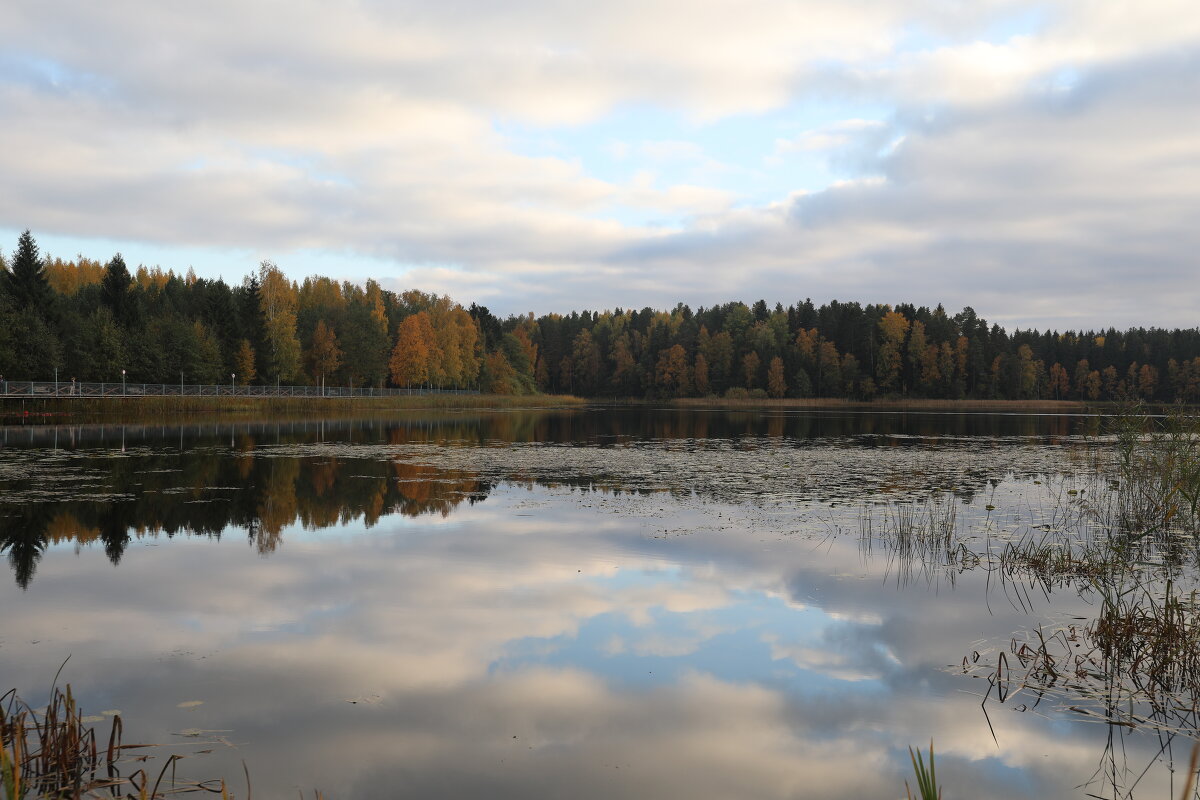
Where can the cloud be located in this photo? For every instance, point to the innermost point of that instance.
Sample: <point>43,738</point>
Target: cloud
<point>828,137</point>
<point>1036,161</point>
<point>416,621</point>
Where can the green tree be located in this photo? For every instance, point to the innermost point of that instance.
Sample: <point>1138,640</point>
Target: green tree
<point>25,279</point>
<point>114,290</point>
<point>517,355</point>
<point>364,342</point>
<point>32,350</point>
<point>585,354</point>
<point>700,375</point>
<point>252,323</point>
<point>625,378</point>
<point>204,363</point>
<point>99,350</point>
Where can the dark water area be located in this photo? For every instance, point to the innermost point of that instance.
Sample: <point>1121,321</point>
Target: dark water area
<point>583,603</point>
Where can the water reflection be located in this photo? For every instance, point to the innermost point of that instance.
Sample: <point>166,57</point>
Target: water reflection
<point>114,484</point>
<point>626,615</point>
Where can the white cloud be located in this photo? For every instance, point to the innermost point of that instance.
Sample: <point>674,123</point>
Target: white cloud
<point>1039,169</point>
<point>828,137</point>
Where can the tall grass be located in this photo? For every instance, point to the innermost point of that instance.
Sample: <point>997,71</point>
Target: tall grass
<point>1159,466</point>
<point>1123,531</point>
<point>51,754</point>
<point>925,776</point>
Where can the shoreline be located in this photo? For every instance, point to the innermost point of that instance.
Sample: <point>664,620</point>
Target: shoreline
<point>139,409</point>
<point>890,404</point>
<point>50,410</point>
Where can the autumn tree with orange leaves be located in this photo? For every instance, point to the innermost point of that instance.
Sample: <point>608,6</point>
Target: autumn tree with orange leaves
<point>414,351</point>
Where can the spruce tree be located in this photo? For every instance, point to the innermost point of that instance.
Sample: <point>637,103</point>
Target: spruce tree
<point>25,279</point>
<point>114,289</point>
<point>253,324</point>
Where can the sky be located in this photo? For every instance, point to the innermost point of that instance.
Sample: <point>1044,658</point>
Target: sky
<point>1038,161</point>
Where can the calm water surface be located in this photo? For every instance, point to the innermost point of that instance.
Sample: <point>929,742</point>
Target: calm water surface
<point>580,604</point>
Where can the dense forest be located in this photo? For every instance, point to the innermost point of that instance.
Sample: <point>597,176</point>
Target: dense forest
<point>91,320</point>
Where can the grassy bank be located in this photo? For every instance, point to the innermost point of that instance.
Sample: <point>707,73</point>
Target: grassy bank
<point>144,408</point>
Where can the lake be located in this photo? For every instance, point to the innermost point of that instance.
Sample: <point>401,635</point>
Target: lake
<point>590,603</point>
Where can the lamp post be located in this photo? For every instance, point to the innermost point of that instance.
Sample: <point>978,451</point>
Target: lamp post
<point>232,383</point>
<point>56,381</point>
<point>181,383</point>
<point>122,383</point>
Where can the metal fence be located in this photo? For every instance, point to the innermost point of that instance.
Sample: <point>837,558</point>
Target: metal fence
<point>69,389</point>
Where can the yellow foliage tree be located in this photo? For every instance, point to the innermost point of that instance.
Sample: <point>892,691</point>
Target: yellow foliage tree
<point>243,363</point>
<point>324,357</point>
<point>776,383</point>
<point>750,364</point>
<point>671,372</point>
<point>413,352</point>
<point>279,301</point>
<point>1060,383</point>
<point>892,328</point>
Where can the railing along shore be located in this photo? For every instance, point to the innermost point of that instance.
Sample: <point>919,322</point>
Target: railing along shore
<point>118,389</point>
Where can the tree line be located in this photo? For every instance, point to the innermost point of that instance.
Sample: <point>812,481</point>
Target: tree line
<point>91,320</point>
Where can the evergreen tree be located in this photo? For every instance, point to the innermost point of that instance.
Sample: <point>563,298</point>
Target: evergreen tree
<point>253,324</point>
<point>114,290</point>
<point>25,280</point>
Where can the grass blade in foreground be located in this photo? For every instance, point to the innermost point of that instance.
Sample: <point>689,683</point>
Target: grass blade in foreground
<point>926,776</point>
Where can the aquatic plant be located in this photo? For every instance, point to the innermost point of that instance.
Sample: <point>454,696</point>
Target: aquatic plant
<point>52,753</point>
<point>925,776</point>
<point>916,533</point>
<point>1159,466</point>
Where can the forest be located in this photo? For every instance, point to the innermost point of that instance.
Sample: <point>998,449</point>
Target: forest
<point>90,320</point>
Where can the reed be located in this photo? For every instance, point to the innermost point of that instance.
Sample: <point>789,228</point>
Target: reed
<point>1159,466</point>
<point>925,776</point>
<point>52,754</point>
